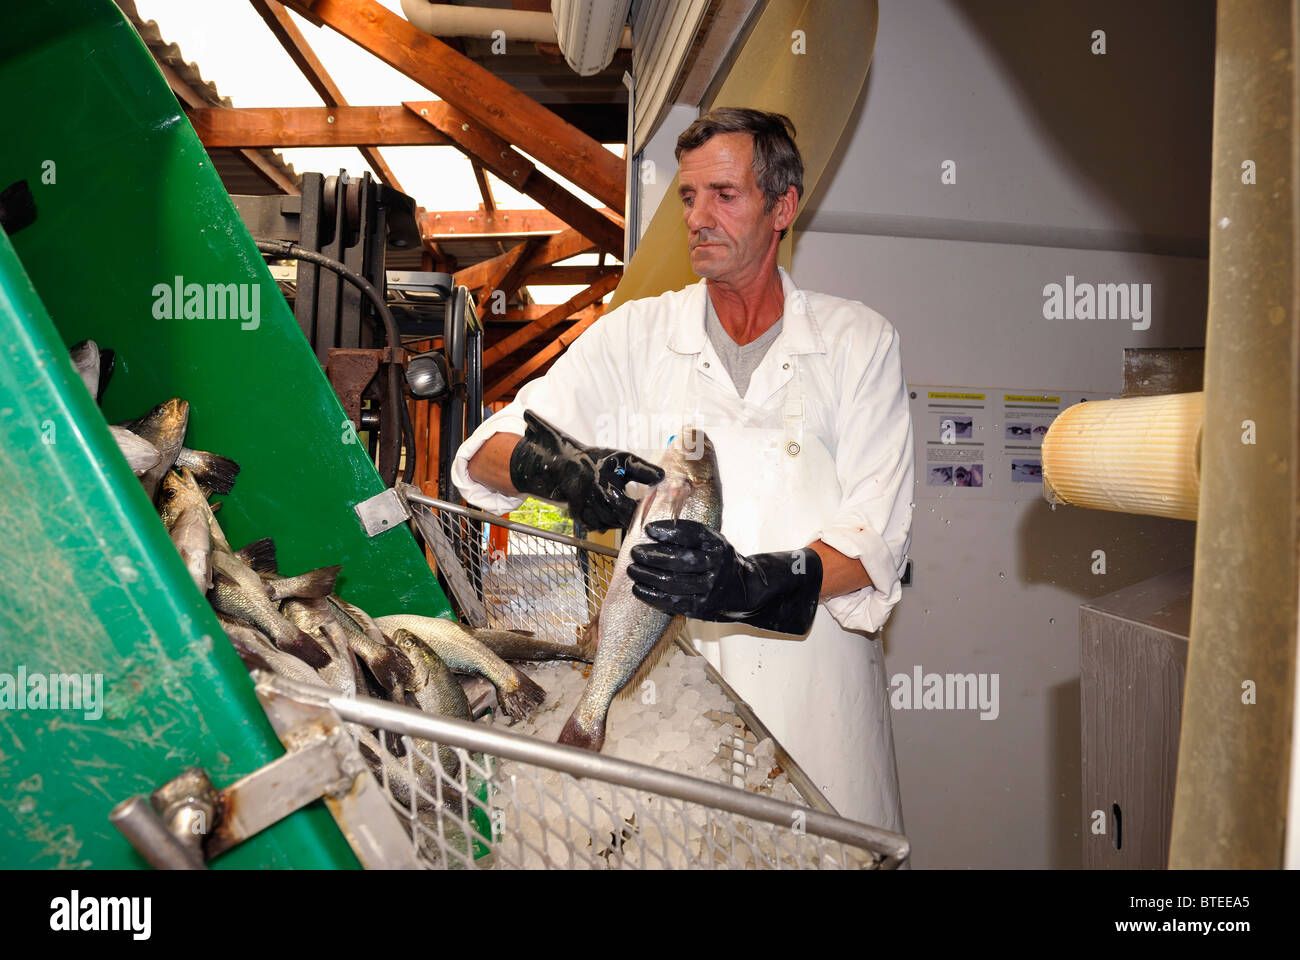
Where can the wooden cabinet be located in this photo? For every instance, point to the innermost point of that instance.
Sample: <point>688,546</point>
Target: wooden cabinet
<point>1133,655</point>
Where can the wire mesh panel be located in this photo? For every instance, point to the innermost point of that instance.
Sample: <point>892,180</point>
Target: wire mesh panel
<point>541,818</point>
<point>472,809</point>
<point>505,576</point>
<point>464,808</point>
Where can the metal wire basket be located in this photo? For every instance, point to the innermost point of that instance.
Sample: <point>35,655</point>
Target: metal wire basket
<point>471,795</point>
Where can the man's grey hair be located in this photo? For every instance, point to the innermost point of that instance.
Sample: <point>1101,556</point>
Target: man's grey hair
<point>777,163</point>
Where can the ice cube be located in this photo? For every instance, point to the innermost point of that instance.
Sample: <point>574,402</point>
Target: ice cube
<point>674,741</point>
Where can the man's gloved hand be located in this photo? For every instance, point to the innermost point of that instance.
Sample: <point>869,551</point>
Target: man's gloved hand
<point>550,464</point>
<point>694,571</point>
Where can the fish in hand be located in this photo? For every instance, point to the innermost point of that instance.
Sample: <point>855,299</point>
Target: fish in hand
<point>631,634</point>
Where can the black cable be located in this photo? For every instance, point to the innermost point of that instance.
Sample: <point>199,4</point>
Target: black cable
<point>291,251</point>
<point>399,416</point>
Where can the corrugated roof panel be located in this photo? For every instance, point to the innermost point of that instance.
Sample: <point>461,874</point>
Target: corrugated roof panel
<point>236,173</point>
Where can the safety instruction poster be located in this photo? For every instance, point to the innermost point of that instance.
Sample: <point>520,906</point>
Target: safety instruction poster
<point>984,442</point>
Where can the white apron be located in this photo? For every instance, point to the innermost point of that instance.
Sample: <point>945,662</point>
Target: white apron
<point>824,697</point>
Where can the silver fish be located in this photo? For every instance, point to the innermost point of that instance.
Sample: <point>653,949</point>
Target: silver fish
<point>434,690</point>
<point>387,665</point>
<point>238,591</point>
<point>141,455</point>
<point>94,365</point>
<point>181,492</point>
<point>164,426</point>
<point>258,653</point>
<point>522,645</point>
<point>316,619</point>
<point>455,644</point>
<point>192,538</point>
<point>85,357</point>
<point>631,633</point>
<point>404,777</point>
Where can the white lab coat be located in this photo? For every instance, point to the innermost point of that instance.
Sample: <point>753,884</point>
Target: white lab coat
<point>626,382</point>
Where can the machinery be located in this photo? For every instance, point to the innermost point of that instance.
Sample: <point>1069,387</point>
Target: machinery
<point>356,314</point>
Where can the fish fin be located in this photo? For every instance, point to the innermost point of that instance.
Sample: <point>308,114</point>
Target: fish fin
<point>589,640</point>
<point>522,633</point>
<point>651,660</point>
<point>376,688</point>
<point>213,471</point>
<point>364,622</point>
<point>305,647</point>
<point>575,734</point>
<point>214,507</point>
<point>260,555</point>
<point>241,636</point>
<point>251,658</point>
<point>107,361</point>
<point>336,635</point>
<point>311,585</point>
<point>524,699</point>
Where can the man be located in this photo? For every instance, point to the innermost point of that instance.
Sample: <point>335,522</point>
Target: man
<point>802,395</point>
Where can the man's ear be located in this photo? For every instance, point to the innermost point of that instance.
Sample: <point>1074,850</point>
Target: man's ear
<point>786,208</point>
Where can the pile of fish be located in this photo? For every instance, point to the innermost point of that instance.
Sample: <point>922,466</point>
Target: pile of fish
<point>298,627</point>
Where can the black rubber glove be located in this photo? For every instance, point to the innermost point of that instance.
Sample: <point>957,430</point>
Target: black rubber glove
<point>550,464</point>
<point>694,571</point>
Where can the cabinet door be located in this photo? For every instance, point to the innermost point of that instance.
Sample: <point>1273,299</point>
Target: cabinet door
<point>1131,702</point>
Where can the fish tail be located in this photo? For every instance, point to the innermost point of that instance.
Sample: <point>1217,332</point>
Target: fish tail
<point>212,470</point>
<point>260,555</point>
<point>311,585</point>
<point>304,646</point>
<point>526,696</point>
<point>589,736</point>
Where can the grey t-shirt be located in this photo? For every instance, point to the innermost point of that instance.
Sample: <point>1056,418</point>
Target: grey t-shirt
<point>740,361</point>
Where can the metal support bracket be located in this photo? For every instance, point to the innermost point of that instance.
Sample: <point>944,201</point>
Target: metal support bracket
<point>321,760</point>
<point>382,512</point>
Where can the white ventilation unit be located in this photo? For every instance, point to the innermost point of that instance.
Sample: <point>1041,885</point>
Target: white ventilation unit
<point>662,34</point>
<point>589,31</point>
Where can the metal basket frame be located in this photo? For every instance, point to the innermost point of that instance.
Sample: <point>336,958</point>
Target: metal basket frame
<point>477,582</point>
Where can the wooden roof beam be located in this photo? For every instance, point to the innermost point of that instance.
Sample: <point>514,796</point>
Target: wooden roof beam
<point>481,144</point>
<point>552,276</point>
<point>473,89</point>
<point>497,224</point>
<point>517,316</point>
<point>239,127</point>
<point>532,331</point>
<point>570,243</point>
<point>552,350</point>
<point>295,44</point>
<point>504,277</point>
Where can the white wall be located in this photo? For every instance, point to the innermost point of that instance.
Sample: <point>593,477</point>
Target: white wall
<point>1067,163</point>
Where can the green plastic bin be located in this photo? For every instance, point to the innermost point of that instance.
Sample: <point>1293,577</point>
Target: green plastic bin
<point>89,582</point>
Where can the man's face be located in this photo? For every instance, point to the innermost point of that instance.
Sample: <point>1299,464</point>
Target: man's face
<point>728,232</point>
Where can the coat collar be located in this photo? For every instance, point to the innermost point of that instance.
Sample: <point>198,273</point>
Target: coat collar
<point>800,332</point>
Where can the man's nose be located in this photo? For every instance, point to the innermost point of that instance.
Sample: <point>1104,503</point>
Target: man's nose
<point>699,215</point>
